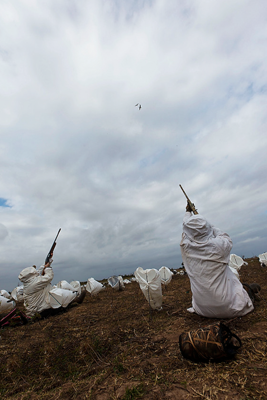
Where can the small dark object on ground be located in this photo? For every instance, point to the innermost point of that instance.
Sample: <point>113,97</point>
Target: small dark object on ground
<point>14,318</point>
<point>80,299</point>
<point>212,343</point>
<point>255,287</point>
<point>252,290</point>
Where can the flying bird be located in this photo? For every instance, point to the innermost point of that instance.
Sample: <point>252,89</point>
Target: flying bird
<point>139,106</point>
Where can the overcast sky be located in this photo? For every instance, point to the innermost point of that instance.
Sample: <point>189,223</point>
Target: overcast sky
<point>76,154</point>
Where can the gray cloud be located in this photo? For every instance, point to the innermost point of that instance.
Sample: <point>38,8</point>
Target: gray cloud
<point>3,232</point>
<point>76,153</point>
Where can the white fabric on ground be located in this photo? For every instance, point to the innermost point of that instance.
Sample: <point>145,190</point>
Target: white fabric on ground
<point>216,291</point>
<point>116,282</point>
<point>59,297</point>
<point>236,262</point>
<point>122,286</point>
<point>166,275</point>
<point>93,286</point>
<point>150,284</point>
<point>77,286</point>
<point>191,310</point>
<point>6,305</point>
<point>5,293</point>
<point>17,293</point>
<point>65,285</point>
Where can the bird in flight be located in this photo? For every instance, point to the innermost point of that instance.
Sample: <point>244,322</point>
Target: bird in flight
<point>139,106</point>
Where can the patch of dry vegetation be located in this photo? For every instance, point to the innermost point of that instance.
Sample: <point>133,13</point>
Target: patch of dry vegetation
<point>113,347</point>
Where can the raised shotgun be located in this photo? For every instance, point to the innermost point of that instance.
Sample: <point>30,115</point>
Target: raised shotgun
<point>192,205</point>
<point>51,251</point>
<point>49,255</point>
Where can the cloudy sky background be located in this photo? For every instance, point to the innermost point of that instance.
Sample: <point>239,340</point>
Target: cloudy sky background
<point>76,154</point>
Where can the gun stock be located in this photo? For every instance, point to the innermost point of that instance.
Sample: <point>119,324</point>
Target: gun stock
<point>192,205</point>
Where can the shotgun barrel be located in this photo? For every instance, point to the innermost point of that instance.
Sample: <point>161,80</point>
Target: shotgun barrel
<point>192,205</point>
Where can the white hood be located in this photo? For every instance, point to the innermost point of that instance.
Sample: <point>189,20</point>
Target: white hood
<point>27,274</point>
<point>198,229</point>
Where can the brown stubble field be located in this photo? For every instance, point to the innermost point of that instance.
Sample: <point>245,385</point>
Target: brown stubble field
<point>113,347</point>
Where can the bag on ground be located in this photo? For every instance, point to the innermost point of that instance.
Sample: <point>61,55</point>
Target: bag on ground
<point>213,343</point>
<point>93,286</point>
<point>61,297</point>
<point>116,282</point>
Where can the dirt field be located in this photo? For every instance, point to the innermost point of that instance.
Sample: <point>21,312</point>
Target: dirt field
<point>113,347</point>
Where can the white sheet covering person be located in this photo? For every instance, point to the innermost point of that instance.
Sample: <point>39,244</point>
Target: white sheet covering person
<point>36,289</point>
<point>216,291</point>
<point>38,293</point>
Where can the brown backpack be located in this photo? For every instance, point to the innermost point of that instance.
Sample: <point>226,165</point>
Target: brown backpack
<point>212,343</point>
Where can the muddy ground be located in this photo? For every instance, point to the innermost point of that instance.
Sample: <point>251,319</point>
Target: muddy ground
<point>112,347</point>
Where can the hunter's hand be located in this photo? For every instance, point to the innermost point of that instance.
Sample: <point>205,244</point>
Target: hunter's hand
<point>188,208</point>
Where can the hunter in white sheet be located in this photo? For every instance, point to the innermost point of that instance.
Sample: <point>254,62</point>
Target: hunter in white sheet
<point>216,291</point>
<point>36,289</point>
<point>38,293</point>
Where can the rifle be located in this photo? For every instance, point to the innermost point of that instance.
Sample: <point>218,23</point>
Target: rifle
<point>49,255</point>
<point>192,205</point>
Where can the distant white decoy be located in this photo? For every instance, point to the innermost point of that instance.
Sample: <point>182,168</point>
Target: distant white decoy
<point>139,106</point>
<point>263,259</point>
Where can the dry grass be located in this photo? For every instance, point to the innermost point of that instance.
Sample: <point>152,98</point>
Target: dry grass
<point>112,347</point>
